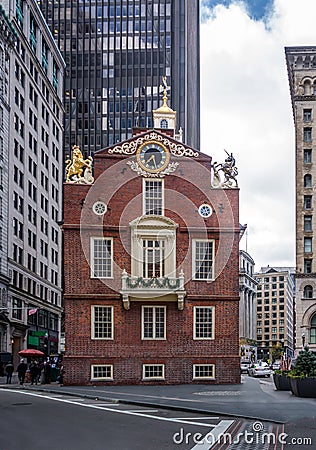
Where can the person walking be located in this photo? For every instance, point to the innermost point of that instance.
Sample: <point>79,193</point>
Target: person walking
<point>22,371</point>
<point>47,372</point>
<point>9,369</point>
<point>34,369</point>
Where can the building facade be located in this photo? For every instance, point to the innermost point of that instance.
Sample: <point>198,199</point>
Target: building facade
<point>8,40</point>
<point>301,66</point>
<point>247,305</point>
<point>116,52</point>
<point>34,183</point>
<point>275,312</point>
<point>151,264</point>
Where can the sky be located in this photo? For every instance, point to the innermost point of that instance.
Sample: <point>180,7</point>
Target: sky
<point>246,109</point>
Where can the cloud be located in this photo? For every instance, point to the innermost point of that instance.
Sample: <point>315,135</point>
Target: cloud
<point>246,109</point>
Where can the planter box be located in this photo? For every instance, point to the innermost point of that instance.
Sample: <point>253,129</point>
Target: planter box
<point>281,382</point>
<point>303,387</point>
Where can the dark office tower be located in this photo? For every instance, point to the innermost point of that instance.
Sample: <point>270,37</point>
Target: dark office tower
<point>117,52</point>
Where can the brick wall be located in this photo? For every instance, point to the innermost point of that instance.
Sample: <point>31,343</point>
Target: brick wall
<point>127,351</point>
<point>121,189</point>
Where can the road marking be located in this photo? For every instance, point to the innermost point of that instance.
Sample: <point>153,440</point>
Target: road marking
<point>143,395</point>
<point>211,438</point>
<point>197,418</point>
<point>106,404</point>
<point>144,410</point>
<point>118,411</point>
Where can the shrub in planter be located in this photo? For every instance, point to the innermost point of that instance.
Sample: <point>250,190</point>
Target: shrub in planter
<point>303,376</point>
<point>303,387</point>
<point>281,380</point>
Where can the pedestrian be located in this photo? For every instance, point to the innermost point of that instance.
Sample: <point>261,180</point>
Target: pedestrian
<point>34,369</point>
<point>22,371</point>
<point>40,367</point>
<point>47,372</point>
<point>60,377</point>
<point>9,369</point>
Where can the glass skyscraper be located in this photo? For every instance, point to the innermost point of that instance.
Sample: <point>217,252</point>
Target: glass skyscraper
<point>116,53</point>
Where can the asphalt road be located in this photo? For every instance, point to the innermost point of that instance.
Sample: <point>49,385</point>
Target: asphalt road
<point>48,421</point>
<point>155,417</point>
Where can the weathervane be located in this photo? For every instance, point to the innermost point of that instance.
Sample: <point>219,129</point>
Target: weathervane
<point>165,87</point>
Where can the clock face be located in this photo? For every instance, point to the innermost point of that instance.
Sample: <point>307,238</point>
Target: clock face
<point>152,156</point>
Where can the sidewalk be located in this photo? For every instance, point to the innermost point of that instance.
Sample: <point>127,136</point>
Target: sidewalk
<point>252,399</point>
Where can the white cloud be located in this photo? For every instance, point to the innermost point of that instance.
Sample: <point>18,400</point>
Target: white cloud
<point>246,109</point>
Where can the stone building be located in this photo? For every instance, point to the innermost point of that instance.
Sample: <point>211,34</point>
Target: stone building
<point>248,305</point>
<point>275,312</point>
<point>301,66</point>
<point>34,183</point>
<point>151,263</point>
<point>8,39</point>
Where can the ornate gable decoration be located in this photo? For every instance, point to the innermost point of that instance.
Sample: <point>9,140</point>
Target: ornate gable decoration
<point>158,149</point>
<point>224,174</point>
<point>78,169</point>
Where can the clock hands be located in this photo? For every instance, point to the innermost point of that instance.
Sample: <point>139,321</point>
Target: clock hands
<point>152,158</point>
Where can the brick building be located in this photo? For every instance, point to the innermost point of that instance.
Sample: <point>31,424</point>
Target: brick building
<point>151,263</point>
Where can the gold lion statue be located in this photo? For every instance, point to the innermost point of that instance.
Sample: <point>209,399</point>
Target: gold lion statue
<point>76,165</point>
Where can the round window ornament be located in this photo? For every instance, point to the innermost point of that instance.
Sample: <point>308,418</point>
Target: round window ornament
<point>205,211</point>
<point>99,208</point>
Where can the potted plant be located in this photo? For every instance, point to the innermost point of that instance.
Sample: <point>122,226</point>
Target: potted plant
<point>303,376</point>
<point>280,377</point>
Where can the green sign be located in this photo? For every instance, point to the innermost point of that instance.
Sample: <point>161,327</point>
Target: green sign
<point>33,340</point>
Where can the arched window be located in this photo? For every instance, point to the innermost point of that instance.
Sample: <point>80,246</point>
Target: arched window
<point>313,330</point>
<point>308,180</point>
<point>308,291</point>
<point>307,87</point>
<point>164,123</point>
<point>314,88</point>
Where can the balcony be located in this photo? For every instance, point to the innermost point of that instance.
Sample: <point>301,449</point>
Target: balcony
<point>139,288</point>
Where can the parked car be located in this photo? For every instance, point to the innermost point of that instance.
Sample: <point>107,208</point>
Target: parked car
<point>244,366</point>
<point>260,369</point>
<point>275,366</point>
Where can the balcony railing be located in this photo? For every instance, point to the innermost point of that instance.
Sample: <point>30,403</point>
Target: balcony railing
<point>151,288</point>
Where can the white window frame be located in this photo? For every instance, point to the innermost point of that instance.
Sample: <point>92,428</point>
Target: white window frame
<point>160,181</point>
<point>93,336</point>
<point>153,228</point>
<point>194,242</point>
<point>205,377</point>
<point>158,266</point>
<point>164,124</point>
<point>161,377</point>
<point>92,257</point>
<point>206,338</point>
<point>109,378</point>
<point>154,308</point>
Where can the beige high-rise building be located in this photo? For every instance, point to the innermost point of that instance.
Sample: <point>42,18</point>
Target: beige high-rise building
<point>275,312</point>
<point>301,66</point>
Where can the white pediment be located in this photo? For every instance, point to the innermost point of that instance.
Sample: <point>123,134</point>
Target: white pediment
<point>153,222</point>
